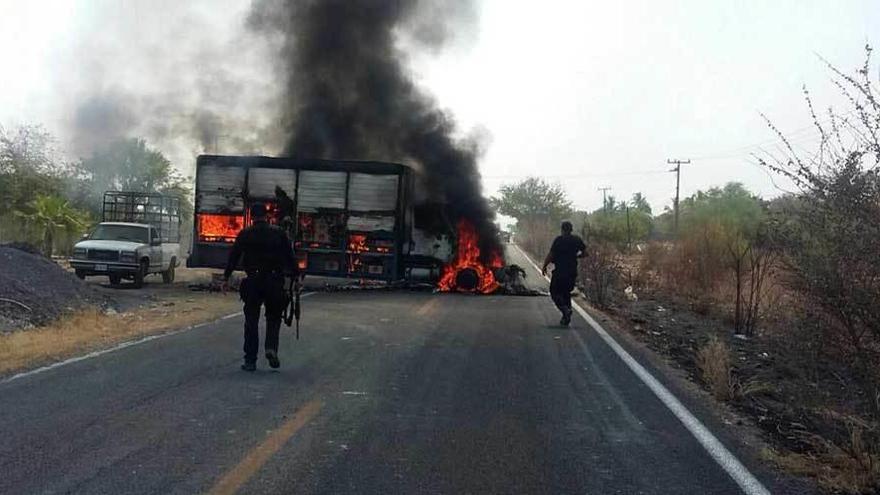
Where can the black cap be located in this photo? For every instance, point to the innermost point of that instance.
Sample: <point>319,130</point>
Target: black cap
<point>566,226</point>
<point>258,210</point>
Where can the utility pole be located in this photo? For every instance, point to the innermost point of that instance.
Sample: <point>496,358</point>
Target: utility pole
<point>604,197</point>
<point>677,170</point>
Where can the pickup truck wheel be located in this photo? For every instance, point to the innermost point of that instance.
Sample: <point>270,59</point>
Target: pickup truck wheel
<point>80,274</point>
<point>168,275</point>
<point>140,274</point>
<point>115,279</point>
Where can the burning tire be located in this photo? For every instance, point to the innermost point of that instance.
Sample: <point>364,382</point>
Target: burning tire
<point>468,272</point>
<point>467,280</point>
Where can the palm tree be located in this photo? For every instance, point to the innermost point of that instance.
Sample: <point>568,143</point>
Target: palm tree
<point>50,214</point>
<point>640,203</point>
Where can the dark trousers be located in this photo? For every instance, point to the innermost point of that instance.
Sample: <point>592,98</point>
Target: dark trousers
<point>256,291</point>
<point>561,285</point>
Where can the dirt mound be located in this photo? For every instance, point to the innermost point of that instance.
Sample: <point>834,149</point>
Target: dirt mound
<point>34,290</point>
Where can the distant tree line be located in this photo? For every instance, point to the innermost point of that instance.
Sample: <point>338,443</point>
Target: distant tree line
<point>49,201</point>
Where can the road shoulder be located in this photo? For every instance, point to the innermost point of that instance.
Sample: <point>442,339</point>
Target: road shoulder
<point>735,432</point>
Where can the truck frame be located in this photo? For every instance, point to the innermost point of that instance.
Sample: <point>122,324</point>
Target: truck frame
<point>345,218</point>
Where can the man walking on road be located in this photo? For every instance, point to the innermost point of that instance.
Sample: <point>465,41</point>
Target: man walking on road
<point>564,253</point>
<point>268,257</point>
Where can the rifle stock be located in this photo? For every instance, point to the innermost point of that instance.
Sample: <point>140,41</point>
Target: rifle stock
<point>297,308</point>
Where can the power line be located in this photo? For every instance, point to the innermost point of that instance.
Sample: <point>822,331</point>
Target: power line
<point>790,136</point>
<point>578,176</point>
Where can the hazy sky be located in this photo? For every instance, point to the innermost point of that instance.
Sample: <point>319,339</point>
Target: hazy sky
<point>587,93</point>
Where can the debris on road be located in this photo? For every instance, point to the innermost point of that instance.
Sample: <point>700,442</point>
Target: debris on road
<point>512,281</point>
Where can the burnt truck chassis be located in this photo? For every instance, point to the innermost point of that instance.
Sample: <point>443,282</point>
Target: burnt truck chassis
<point>349,219</point>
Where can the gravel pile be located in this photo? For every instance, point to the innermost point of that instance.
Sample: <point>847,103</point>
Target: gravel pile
<point>34,290</point>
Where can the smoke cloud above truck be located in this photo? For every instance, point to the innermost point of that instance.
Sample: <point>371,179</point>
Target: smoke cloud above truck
<point>348,94</point>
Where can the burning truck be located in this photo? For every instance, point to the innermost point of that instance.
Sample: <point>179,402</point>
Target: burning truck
<point>354,219</point>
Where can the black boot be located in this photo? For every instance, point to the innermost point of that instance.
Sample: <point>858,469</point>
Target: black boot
<point>272,357</point>
<point>249,366</point>
<point>566,317</point>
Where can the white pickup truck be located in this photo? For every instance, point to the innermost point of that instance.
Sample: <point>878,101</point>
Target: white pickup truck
<point>125,250</point>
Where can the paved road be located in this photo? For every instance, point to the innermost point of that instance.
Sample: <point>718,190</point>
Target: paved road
<point>387,393</point>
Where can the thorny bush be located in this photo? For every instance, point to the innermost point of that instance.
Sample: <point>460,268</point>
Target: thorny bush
<point>830,236</point>
<point>600,270</point>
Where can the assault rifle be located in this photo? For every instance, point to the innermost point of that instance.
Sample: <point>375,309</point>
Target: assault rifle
<point>292,284</point>
<point>292,307</point>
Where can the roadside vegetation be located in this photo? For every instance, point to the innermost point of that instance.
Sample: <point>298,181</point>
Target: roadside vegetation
<point>772,305</point>
<point>50,201</point>
<point>92,329</point>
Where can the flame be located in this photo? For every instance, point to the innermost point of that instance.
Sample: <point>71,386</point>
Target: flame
<point>273,213</point>
<point>467,257</point>
<point>219,228</point>
<point>357,244</point>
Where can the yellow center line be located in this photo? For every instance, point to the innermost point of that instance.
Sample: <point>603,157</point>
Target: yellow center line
<point>428,307</point>
<point>250,465</point>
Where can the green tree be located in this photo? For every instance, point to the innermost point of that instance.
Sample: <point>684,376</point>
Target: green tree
<point>732,206</point>
<point>531,198</point>
<point>51,215</point>
<point>722,234</point>
<point>29,166</point>
<point>125,165</point>
<point>28,148</point>
<point>620,223</point>
<point>538,206</point>
<point>640,203</point>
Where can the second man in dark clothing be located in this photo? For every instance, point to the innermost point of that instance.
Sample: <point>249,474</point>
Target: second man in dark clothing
<point>267,257</point>
<point>564,254</point>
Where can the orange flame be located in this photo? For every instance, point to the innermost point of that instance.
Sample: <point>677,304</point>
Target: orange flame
<point>218,228</point>
<point>357,244</point>
<point>467,257</point>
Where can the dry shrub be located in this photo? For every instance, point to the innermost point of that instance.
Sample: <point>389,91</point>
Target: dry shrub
<point>713,361</point>
<point>695,265</point>
<point>652,258</point>
<point>654,255</point>
<point>701,258</point>
<point>600,270</point>
<point>850,464</point>
<point>535,235</point>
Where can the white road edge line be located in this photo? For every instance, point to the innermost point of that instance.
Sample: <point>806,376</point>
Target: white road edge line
<point>121,346</point>
<point>740,474</point>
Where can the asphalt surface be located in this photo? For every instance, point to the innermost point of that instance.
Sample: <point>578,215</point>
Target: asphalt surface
<point>387,392</point>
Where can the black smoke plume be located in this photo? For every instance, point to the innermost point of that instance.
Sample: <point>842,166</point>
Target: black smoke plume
<point>348,93</point>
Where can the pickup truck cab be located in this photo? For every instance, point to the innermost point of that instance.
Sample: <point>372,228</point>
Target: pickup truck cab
<point>125,250</point>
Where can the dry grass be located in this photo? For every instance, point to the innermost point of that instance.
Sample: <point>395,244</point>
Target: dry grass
<point>850,468</point>
<point>91,329</point>
<point>713,360</point>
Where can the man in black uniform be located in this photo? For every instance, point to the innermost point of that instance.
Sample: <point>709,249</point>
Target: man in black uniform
<point>564,253</point>
<point>268,257</point>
